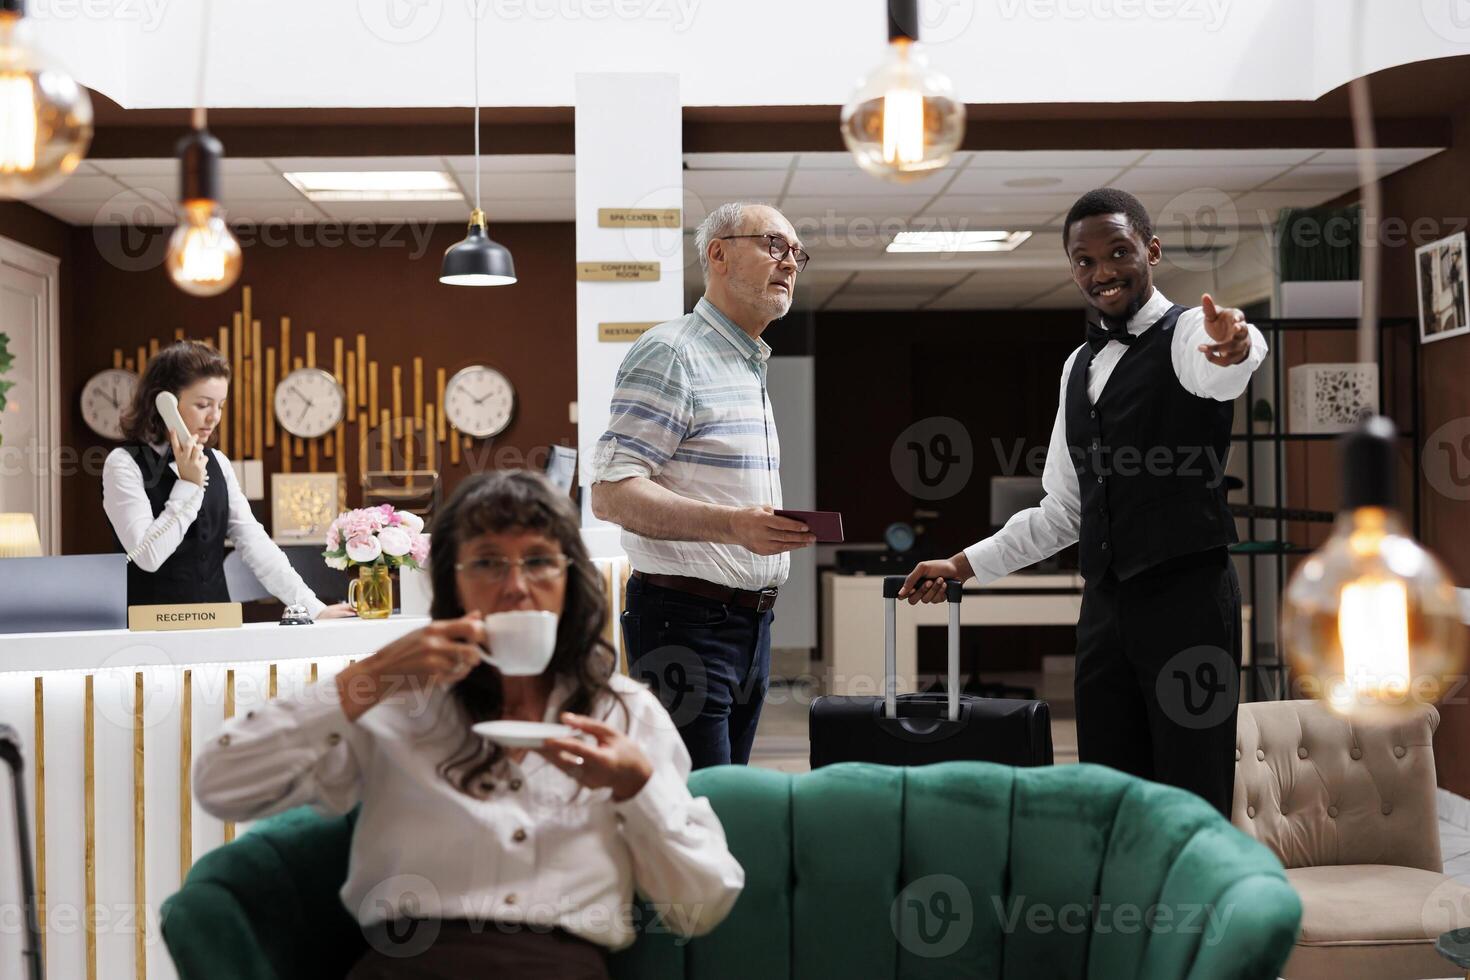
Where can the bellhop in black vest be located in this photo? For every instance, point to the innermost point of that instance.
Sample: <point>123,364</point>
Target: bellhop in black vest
<point>1150,459</point>
<point>1134,476</point>
<point>195,572</point>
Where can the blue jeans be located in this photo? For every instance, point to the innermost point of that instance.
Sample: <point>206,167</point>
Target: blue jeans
<point>708,663</point>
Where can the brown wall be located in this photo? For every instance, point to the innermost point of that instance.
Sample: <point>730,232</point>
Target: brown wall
<point>1436,189</point>
<point>996,372</point>
<point>387,289</point>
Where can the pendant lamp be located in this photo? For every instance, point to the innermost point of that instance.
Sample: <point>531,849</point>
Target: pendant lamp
<point>478,260</point>
<point>45,116</point>
<point>903,121</point>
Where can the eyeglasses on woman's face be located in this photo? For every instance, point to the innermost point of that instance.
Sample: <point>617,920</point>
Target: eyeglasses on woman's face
<point>495,569</point>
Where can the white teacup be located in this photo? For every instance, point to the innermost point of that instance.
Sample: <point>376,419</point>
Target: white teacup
<point>521,641</point>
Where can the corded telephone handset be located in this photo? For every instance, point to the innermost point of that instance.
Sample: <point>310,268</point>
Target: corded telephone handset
<point>167,404</point>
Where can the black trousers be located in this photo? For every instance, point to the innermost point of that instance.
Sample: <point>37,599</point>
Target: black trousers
<point>1158,674</point>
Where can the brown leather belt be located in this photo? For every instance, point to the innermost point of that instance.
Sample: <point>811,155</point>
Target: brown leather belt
<point>744,598</point>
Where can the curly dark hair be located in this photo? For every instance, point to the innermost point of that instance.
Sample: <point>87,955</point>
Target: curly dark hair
<point>1110,200</point>
<point>173,368</point>
<point>519,500</point>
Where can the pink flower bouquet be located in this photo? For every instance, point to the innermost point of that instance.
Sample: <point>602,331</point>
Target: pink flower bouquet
<point>377,536</point>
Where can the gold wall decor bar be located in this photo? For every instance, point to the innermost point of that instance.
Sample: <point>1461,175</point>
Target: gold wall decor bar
<point>386,435</point>
<point>89,822</point>
<point>224,419</point>
<point>142,358</point>
<point>152,348</point>
<point>418,391</point>
<point>40,808</point>
<point>117,357</point>
<point>439,384</point>
<point>285,347</point>
<point>178,333</point>
<point>351,386</point>
<point>362,364</point>
<point>453,446</point>
<point>431,444</point>
<point>247,425</point>
<point>373,392</point>
<point>362,448</point>
<point>270,397</point>
<point>130,365</point>
<point>186,788</point>
<point>229,713</point>
<point>237,337</point>
<point>298,445</point>
<point>259,408</point>
<point>140,863</point>
<point>397,401</point>
<point>408,451</point>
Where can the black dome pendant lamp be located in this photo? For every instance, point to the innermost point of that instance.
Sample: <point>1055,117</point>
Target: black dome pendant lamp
<point>479,260</point>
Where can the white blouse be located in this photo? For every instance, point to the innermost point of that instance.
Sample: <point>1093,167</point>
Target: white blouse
<point>149,541</point>
<point>535,850</point>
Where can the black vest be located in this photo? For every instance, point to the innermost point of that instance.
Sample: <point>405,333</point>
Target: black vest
<point>195,572</point>
<point>1150,459</point>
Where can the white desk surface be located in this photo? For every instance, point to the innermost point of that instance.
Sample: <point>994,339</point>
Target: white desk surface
<point>254,642</point>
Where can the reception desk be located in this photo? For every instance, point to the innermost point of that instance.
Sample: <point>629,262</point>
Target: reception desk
<point>109,720</point>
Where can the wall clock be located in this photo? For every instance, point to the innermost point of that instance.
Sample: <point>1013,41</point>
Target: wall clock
<point>309,403</point>
<point>105,397</point>
<point>479,401</point>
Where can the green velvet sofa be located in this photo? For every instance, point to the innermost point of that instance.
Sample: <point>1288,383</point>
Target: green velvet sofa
<point>856,872</point>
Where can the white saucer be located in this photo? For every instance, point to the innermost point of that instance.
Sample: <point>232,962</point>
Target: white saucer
<point>522,734</point>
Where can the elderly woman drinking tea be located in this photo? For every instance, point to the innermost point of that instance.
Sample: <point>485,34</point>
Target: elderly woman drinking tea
<point>499,855</point>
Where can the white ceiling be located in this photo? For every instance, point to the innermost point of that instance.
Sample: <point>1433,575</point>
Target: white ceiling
<point>844,217</point>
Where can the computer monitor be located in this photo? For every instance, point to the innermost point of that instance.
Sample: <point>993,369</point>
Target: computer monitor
<point>1009,495</point>
<point>63,593</point>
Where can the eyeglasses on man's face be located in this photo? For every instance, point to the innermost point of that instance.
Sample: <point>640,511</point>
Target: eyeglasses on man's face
<point>492,570</point>
<point>778,247</point>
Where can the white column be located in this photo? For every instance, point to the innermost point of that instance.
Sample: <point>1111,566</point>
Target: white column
<point>629,145</point>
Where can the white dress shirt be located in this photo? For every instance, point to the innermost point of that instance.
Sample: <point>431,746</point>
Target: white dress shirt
<point>1040,532</point>
<point>151,540</point>
<point>537,849</point>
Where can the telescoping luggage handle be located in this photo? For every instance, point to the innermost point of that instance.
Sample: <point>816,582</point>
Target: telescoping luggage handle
<point>953,589</point>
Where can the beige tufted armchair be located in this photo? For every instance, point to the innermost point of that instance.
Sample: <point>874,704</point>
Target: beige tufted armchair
<point>1349,809</point>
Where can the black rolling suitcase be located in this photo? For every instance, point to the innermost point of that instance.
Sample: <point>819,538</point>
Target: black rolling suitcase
<point>917,729</point>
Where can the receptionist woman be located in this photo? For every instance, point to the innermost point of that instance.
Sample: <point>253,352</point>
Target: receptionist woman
<point>172,506</point>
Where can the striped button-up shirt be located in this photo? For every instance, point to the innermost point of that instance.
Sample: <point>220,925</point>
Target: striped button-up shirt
<point>691,413</point>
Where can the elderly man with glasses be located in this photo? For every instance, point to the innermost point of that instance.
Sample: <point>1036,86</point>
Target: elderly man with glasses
<point>689,468</point>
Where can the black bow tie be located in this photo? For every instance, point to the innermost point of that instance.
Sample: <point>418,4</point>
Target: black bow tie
<point>1098,336</point>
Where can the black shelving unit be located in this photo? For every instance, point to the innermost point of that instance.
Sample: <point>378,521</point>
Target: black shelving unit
<point>1265,677</point>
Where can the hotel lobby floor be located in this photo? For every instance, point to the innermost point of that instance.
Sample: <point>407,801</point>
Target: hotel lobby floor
<point>782,743</point>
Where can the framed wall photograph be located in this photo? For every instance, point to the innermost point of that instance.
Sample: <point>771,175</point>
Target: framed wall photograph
<point>1443,298</point>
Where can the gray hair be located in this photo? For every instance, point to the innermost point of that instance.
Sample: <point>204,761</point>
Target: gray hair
<point>723,220</point>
